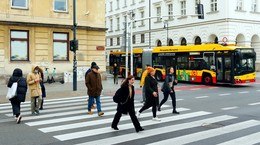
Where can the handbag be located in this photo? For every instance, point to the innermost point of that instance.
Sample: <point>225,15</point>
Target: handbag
<point>12,91</point>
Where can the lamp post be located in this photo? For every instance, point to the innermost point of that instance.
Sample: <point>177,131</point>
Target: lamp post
<point>74,48</point>
<point>166,27</point>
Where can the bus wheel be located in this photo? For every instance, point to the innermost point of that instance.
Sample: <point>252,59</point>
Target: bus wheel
<point>207,80</point>
<point>158,75</point>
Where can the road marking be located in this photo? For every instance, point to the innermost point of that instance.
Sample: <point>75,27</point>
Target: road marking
<point>98,122</point>
<point>224,94</point>
<point>210,133</point>
<point>156,131</point>
<point>245,140</point>
<point>229,108</point>
<point>122,138</point>
<point>195,89</point>
<point>243,92</point>
<point>201,97</point>
<point>252,104</point>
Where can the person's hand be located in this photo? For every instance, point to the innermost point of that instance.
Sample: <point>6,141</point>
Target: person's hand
<point>155,94</point>
<point>36,80</point>
<point>176,81</point>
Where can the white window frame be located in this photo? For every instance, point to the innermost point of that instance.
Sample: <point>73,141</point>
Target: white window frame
<point>254,6</point>
<point>239,6</point>
<point>66,6</point>
<point>183,8</point>
<point>170,11</point>
<point>214,5</point>
<point>158,13</point>
<point>18,7</point>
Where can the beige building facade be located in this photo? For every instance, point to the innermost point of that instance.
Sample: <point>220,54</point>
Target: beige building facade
<point>39,32</point>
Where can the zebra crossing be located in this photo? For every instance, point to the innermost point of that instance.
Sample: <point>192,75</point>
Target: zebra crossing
<point>66,120</point>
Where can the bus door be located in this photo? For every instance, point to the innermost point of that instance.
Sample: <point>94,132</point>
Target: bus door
<point>223,64</point>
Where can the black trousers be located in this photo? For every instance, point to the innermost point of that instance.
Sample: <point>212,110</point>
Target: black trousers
<point>132,116</point>
<point>165,98</point>
<point>147,106</point>
<point>16,106</point>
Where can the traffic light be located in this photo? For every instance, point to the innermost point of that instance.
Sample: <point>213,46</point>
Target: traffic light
<point>73,45</point>
<point>200,11</point>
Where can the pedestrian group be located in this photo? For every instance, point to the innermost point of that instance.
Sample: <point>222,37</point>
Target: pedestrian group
<point>124,96</point>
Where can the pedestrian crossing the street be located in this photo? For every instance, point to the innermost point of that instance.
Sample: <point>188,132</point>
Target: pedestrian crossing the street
<point>66,120</point>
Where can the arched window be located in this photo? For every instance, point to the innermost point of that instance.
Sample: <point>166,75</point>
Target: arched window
<point>197,41</point>
<point>159,43</point>
<point>170,42</point>
<point>183,41</point>
<point>216,40</point>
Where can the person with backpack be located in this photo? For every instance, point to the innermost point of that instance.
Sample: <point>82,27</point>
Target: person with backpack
<point>125,103</point>
<point>20,92</point>
<point>168,89</point>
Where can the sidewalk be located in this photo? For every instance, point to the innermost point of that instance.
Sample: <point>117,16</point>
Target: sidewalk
<point>58,90</point>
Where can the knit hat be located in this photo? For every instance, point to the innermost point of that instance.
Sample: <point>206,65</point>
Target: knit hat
<point>149,70</point>
<point>93,63</point>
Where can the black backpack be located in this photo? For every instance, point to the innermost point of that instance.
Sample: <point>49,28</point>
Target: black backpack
<point>116,97</point>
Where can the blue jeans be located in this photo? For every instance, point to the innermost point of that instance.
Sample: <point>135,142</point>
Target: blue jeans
<point>91,102</point>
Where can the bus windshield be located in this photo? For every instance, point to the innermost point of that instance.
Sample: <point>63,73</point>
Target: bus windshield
<point>245,62</point>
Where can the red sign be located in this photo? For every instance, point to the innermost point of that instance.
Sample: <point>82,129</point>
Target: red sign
<point>100,48</point>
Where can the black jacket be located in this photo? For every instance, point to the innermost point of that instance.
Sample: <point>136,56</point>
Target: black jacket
<point>166,87</point>
<point>116,71</point>
<point>151,85</point>
<point>22,85</point>
<point>125,102</point>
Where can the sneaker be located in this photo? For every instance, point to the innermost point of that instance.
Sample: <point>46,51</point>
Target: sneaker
<point>33,113</point>
<point>18,120</point>
<point>138,114</point>
<point>100,113</point>
<point>90,113</point>
<point>37,112</point>
<point>156,119</point>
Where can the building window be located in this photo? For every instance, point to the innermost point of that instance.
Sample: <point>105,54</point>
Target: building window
<point>117,4</point>
<point>111,41</point>
<point>239,5</point>
<point>23,4</point>
<point>60,46</point>
<point>142,38</point>
<point>125,3</point>
<point>254,6</point>
<point>196,6</point>
<point>183,7</point>
<point>197,41</point>
<point>111,24</point>
<point>170,11</point>
<point>133,2</point>
<point>118,41</point>
<point>133,39</point>
<point>117,23</point>
<point>183,41</point>
<point>61,5</point>
<point>213,5</point>
<point>159,43</point>
<point>111,6</point>
<point>158,10</point>
<point>142,16</point>
<point>19,45</point>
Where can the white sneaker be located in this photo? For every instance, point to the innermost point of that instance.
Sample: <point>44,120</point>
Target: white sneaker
<point>138,114</point>
<point>156,119</point>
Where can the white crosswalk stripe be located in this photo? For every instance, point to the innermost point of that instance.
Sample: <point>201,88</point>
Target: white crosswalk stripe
<point>66,119</point>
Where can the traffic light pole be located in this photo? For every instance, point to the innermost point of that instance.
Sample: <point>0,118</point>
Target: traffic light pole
<point>74,49</point>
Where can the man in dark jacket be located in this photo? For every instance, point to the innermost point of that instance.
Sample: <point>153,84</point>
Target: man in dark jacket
<point>94,85</point>
<point>20,92</point>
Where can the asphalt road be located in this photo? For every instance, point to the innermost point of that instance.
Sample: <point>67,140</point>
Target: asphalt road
<point>219,114</point>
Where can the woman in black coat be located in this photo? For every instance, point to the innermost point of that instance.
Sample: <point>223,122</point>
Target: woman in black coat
<point>20,93</point>
<point>126,104</point>
<point>151,94</point>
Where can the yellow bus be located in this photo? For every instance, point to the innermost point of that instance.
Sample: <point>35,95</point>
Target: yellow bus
<point>207,63</point>
<point>120,58</point>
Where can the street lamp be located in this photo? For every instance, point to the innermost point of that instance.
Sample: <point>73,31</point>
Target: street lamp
<point>132,17</point>
<point>166,27</point>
